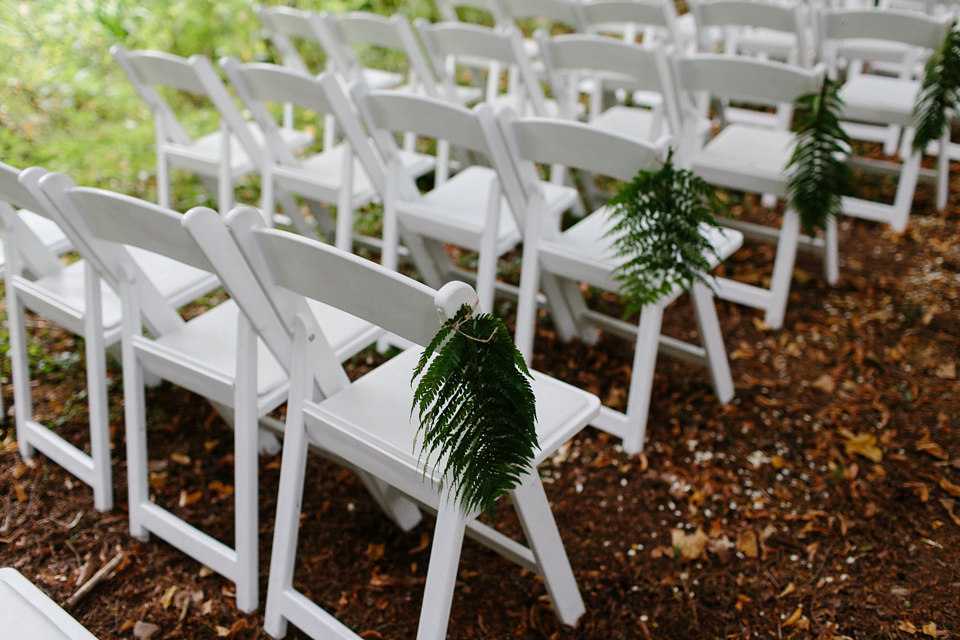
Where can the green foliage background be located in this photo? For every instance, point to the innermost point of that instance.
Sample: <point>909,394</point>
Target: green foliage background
<point>65,105</point>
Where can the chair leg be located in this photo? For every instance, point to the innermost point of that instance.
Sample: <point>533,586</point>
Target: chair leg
<point>712,339</point>
<point>831,257</point>
<point>97,402</point>
<point>138,492</point>
<point>20,367</point>
<point>542,535</point>
<point>641,379</point>
<point>289,498</point>
<point>442,572</point>
<point>943,169</point>
<point>783,269</point>
<point>245,469</point>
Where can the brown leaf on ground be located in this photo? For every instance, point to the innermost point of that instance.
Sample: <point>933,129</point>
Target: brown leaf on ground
<point>865,445</point>
<point>824,383</point>
<point>949,487</point>
<point>747,543</point>
<point>690,546</point>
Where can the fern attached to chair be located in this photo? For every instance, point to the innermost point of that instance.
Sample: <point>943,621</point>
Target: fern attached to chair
<point>819,174</point>
<point>657,230</point>
<point>476,407</point>
<point>939,92</point>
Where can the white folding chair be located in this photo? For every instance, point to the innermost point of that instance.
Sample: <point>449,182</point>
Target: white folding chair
<point>490,10</point>
<point>368,423</point>
<point>287,27</point>
<point>874,99</point>
<point>216,354</point>
<point>612,65</point>
<point>653,20</point>
<point>752,158</point>
<point>40,240</point>
<point>470,209</point>
<point>583,254</point>
<point>356,30</point>
<point>451,45</point>
<point>220,157</point>
<point>766,29</point>
<point>28,613</point>
<point>335,175</point>
<point>73,298</point>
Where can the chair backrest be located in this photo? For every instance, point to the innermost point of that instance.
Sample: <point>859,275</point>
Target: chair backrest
<point>81,212</point>
<point>568,13</point>
<point>285,26</point>
<point>259,84</point>
<point>785,17</point>
<point>574,144</point>
<point>661,15</point>
<point>363,28</point>
<point>25,249</point>
<point>616,64</point>
<point>457,40</point>
<point>759,82</point>
<point>448,9</point>
<point>290,268</point>
<point>148,70</point>
<point>386,113</point>
<point>852,33</point>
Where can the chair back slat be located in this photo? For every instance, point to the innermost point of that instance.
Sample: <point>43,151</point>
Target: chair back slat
<point>746,79</point>
<point>312,269</point>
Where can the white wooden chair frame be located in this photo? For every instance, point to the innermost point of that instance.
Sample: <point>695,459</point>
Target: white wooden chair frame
<point>378,436</point>
<point>75,299</point>
<point>878,100</point>
<point>751,158</point>
<point>219,158</point>
<point>561,260</point>
<point>27,612</point>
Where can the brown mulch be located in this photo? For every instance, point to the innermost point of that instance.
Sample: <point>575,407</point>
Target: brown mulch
<point>820,503</point>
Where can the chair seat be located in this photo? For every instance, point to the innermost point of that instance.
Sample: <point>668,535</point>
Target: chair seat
<point>211,339</point>
<point>320,176</point>
<point>584,251</point>
<point>380,79</point>
<point>346,333</point>
<point>47,230</point>
<point>879,99</point>
<point>375,410</point>
<point>177,282</point>
<point>746,158</point>
<point>633,122</point>
<point>203,156</point>
<point>67,287</point>
<point>456,211</point>
<point>28,613</point>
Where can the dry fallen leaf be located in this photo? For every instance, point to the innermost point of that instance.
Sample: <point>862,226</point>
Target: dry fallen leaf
<point>907,627</point>
<point>187,499</point>
<point>180,458</point>
<point>794,617</point>
<point>741,601</point>
<point>747,543</point>
<point>949,487</point>
<point>947,371</point>
<point>824,383</point>
<point>375,551</point>
<point>865,445</point>
<point>168,596</point>
<point>928,446</point>
<point>690,546</point>
<point>930,629</point>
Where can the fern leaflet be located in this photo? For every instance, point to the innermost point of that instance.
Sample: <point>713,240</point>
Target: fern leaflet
<point>939,92</point>
<point>658,223</point>
<point>476,407</point>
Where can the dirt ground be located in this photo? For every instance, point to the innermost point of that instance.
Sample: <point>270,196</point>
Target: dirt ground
<point>820,503</point>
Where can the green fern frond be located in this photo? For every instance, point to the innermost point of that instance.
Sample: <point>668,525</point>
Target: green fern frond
<point>939,92</point>
<point>476,407</point>
<point>658,223</point>
<point>818,171</point>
